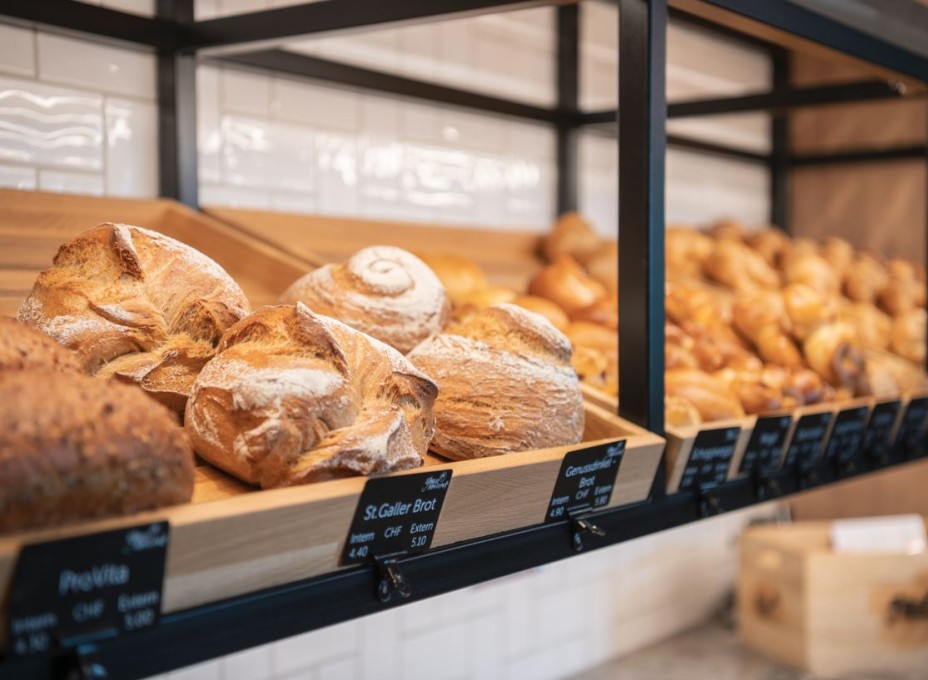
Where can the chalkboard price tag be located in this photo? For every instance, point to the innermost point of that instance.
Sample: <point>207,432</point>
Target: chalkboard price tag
<point>847,435</point>
<point>765,446</point>
<point>709,458</point>
<point>806,446</point>
<point>396,514</point>
<point>86,587</point>
<point>586,480</point>
<point>910,437</point>
<point>878,442</point>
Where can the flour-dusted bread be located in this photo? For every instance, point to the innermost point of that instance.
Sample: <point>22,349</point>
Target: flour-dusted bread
<point>505,384</point>
<point>136,305</point>
<point>293,397</point>
<point>383,291</point>
<point>23,347</point>
<point>75,448</point>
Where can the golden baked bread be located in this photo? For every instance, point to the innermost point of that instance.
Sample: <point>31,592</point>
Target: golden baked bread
<point>540,305</point>
<point>383,291</point>
<point>739,267</point>
<point>807,309</point>
<point>505,385</point>
<point>873,326</point>
<point>567,284</point>
<point>460,276</point>
<point>838,253</point>
<point>571,235</point>
<point>481,299</point>
<point>889,374</point>
<point>710,396</point>
<point>907,337</point>
<point>686,250</point>
<point>603,265</point>
<point>680,412</point>
<point>23,347</point>
<point>294,397</point>
<point>727,230</point>
<point>771,243</point>
<point>761,319</point>
<point>900,296</point>
<point>865,278</point>
<point>74,448</point>
<point>136,305</point>
<point>834,351</point>
<point>604,312</point>
<point>753,391</point>
<point>588,334</point>
<point>812,270</point>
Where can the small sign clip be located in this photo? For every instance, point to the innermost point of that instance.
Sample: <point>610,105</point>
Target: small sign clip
<point>391,580</point>
<point>710,504</point>
<point>579,527</point>
<point>83,664</point>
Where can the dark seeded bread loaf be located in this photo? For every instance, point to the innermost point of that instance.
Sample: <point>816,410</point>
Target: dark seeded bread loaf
<point>22,347</point>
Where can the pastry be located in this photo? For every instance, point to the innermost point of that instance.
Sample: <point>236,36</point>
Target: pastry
<point>483,298</point>
<point>540,305</point>
<point>761,319</point>
<point>680,412</point>
<point>604,312</point>
<point>710,396</point>
<point>603,266</point>
<point>294,397</point>
<point>753,391</point>
<point>686,250</point>
<point>136,305</point>
<point>571,235</point>
<point>834,351</point>
<point>383,291</point>
<point>807,309</point>
<point>74,448</point>
<point>740,268</point>
<point>864,279</point>
<point>838,253</point>
<point>812,270</point>
<point>727,230</point>
<point>770,243</point>
<point>23,347</point>
<point>907,338</point>
<point>505,385</point>
<point>873,326</point>
<point>567,284</point>
<point>460,277</point>
<point>587,334</point>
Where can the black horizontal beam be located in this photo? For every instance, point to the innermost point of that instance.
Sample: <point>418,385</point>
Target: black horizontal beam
<point>81,17</point>
<point>285,23</point>
<point>788,98</point>
<point>678,142</point>
<point>903,153</point>
<point>303,66</point>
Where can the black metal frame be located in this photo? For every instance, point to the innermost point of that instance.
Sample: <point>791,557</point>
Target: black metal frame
<point>195,635</point>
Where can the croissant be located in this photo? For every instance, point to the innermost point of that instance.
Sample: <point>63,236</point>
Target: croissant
<point>710,396</point>
<point>807,309</point>
<point>686,250</point>
<point>680,412</point>
<point>571,235</point>
<point>889,374</point>
<point>293,397</point>
<point>865,278</point>
<point>907,337</point>
<point>839,254</point>
<point>761,318</point>
<point>770,243</point>
<point>755,395</point>
<point>136,305</point>
<point>604,312</point>
<point>742,269</point>
<point>834,352</point>
<point>587,334</point>
<point>873,326</point>
<point>460,277</point>
<point>383,291</point>
<point>565,283</point>
<point>812,270</point>
<point>727,229</point>
<point>603,265</point>
<point>901,295</point>
<point>506,384</point>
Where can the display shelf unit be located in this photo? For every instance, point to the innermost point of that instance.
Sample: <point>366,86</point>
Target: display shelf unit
<point>779,26</point>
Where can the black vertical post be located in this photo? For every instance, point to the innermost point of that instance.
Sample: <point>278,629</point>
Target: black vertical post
<point>642,146</point>
<point>568,105</point>
<point>780,146</point>
<point>177,113</point>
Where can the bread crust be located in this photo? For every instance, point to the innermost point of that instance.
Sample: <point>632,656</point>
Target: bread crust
<point>293,397</point>
<point>73,448</point>
<point>23,348</point>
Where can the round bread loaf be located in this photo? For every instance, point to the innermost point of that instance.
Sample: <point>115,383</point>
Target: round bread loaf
<point>23,347</point>
<point>75,448</point>
<point>383,291</point>
<point>570,235</point>
<point>505,384</point>
<point>293,397</point>
<point>136,305</point>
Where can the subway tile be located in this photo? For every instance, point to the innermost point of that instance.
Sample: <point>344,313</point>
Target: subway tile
<point>379,644</point>
<point>17,177</point>
<point>336,174</point>
<point>209,132</point>
<point>311,649</point>
<point>380,117</point>
<point>252,664</point>
<point>244,92</point>
<point>131,148</point>
<point>50,126</point>
<point>549,663</point>
<point>265,154</point>
<point>71,182</point>
<point>341,669</point>
<point>420,122</point>
<point>487,652</point>
<point>206,9</point>
<point>143,7</point>
<point>469,602</point>
<point>234,197</point>
<point>460,129</point>
<point>441,654</point>
<point>418,51</point>
<point>17,50</point>
<point>457,52</point>
<point>326,107</point>
<point>98,67</point>
<point>293,202</point>
<point>420,616</point>
<point>241,6</point>
<point>201,671</point>
<point>519,621</point>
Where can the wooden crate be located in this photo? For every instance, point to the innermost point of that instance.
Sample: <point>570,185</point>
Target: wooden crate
<point>831,614</point>
<point>34,224</point>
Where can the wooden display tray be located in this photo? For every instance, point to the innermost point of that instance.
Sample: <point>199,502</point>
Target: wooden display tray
<point>233,539</point>
<point>831,613</point>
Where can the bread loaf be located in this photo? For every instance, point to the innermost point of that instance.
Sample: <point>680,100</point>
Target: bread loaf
<point>22,347</point>
<point>571,235</point>
<point>460,276</point>
<point>74,448</point>
<point>383,291</point>
<point>505,385</point>
<point>293,397</point>
<point>546,308</point>
<point>136,305</point>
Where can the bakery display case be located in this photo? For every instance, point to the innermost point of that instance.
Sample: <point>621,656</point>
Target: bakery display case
<point>238,566</point>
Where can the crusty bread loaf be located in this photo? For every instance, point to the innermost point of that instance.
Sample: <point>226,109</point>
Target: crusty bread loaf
<point>505,385</point>
<point>136,305</point>
<point>293,397</point>
<point>23,347</point>
<point>383,291</point>
<point>73,448</point>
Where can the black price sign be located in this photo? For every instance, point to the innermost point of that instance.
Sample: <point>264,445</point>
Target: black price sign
<point>710,458</point>
<point>586,480</point>
<point>396,514</point>
<point>85,587</point>
<point>765,446</point>
<point>806,445</point>
<point>878,441</point>
<point>910,436</point>
<point>847,435</point>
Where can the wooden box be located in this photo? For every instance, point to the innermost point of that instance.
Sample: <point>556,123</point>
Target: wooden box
<point>828,613</point>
